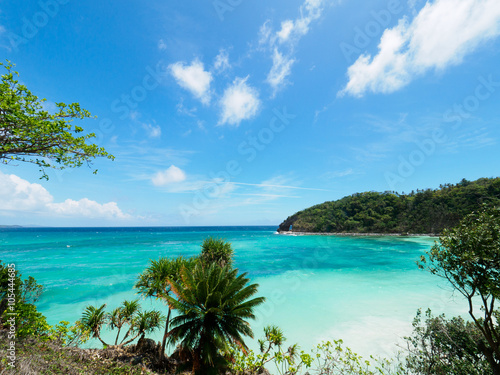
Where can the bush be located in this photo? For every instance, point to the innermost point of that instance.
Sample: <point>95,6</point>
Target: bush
<point>440,346</point>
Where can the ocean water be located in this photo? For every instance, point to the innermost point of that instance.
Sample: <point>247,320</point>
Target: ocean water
<point>364,290</point>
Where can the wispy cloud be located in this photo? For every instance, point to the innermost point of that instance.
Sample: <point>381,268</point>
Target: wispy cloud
<point>193,78</point>
<point>338,174</point>
<point>267,184</point>
<point>469,139</point>
<point>239,102</point>
<point>281,69</point>
<point>141,162</point>
<point>281,43</point>
<point>183,110</point>
<point>389,134</point>
<point>153,131</point>
<point>220,195</point>
<point>162,46</point>
<point>440,35</point>
<point>221,62</point>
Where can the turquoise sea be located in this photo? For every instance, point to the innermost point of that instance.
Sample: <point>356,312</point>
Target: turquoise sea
<point>365,290</point>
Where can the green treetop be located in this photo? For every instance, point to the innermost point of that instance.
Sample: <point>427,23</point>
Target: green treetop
<point>28,133</point>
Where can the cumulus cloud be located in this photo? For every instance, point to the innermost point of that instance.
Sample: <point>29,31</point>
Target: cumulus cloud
<point>222,61</point>
<point>169,176</point>
<point>282,42</point>
<point>19,195</point>
<point>239,102</point>
<point>440,35</point>
<point>193,78</point>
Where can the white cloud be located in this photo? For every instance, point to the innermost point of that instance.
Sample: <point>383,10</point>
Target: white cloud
<point>193,78</point>
<point>265,32</point>
<point>169,176</point>
<point>441,35</point>
<point>282,67</point>
<point>222,61</point>
<point>88,208</point>
<point>309,12</point>
<point>286,30</point>
<point>337,174</point>
<point>239,102</point>
<point>273,184</point>
<point>19,195</point>
<point>162,46</point>
<point>286,38</point>
<point>153,131</point>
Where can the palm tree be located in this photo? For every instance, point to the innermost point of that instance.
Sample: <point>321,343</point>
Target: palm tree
<point>153,282</point>
<point>213,303</point>
<point>93,318</point>
<point>216,250</point>
<point>123,315</point>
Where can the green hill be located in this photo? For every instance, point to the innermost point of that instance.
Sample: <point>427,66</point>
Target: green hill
<point>423,211</point>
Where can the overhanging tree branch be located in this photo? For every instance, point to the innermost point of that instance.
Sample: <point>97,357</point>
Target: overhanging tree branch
<point>29,133</point>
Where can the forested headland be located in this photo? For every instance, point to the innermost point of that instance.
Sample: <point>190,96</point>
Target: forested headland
<point>418,212</point>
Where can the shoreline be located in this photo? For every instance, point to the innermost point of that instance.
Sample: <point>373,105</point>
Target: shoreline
<point>344,234</point>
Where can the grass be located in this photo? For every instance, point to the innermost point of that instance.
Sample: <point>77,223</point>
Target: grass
<point>36,357</point>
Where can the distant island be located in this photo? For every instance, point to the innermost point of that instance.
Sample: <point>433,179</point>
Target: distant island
<point>421,212</point>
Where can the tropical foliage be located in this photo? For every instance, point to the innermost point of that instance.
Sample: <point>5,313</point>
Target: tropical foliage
<point>140,322</point>
<point>423,211</point>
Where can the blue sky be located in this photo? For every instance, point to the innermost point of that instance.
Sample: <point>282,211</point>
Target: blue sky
<point>239,112</point>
